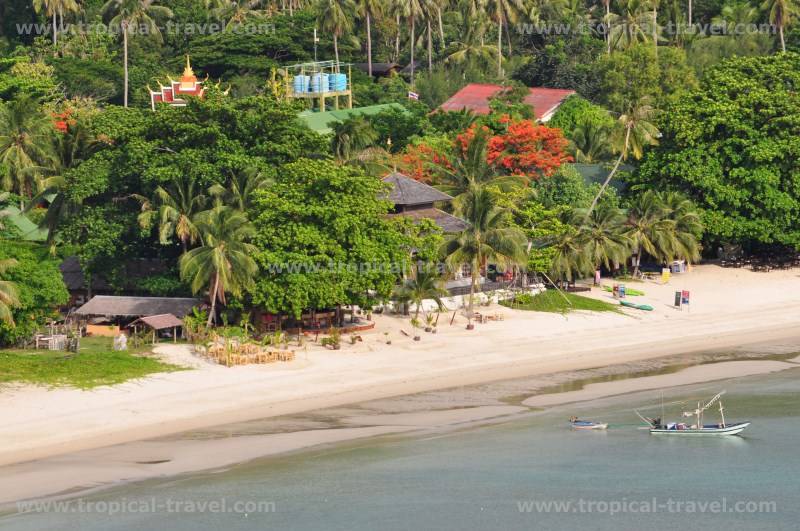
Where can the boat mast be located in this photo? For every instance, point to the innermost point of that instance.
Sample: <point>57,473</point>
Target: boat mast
<point>722,413</point>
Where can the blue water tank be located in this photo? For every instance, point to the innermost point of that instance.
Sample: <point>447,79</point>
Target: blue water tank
<point>339,82</point>
<point>320,83</point>
<point>301,83</point>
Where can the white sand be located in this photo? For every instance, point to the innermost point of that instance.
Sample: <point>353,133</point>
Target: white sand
<point>729,308</point>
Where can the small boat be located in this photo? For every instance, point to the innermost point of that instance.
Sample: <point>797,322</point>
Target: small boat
<point>587,424</point>
<point>657,427</point>
<point>645,307</point>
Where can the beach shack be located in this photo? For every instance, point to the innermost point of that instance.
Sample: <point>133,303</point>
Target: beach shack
<point>107,315</point>
<point>158,324</point>
<point>417,200</point>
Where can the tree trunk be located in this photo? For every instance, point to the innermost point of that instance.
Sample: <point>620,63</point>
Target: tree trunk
<point>336,51</point>
<point>125,60</point>
<point>690,12</point>
<point>611,174</point>
<point>397,39</point>
<point>500,48</point>
<point>655,27</point>
<point>212,313</point>
<point>638,261</point>
<point>441,26</point>
<point>369,46</point>
<point>783,41</point>
<point>473,286</point>
<point>413,42</point>
<point>430,48</point>
<point>55,30</point>
<point>608,26</point>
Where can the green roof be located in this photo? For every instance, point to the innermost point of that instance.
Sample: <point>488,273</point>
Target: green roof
<point>28,230</point>
<point>321,121</point>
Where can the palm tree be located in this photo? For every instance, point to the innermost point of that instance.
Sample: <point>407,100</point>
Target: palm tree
<point>224,262</point>
<point>636,131</point>
<point>503,12</point>
<point>240,188</point>
<point>630,25</point>
<point>53,8</point>
<point>736,12</point>
<point>687,225</point>
<point>569,256</point>
<point>489,237</point>
<point>352,136</point>
<point>650,229</point>
<point>369,10</point>
<point>425,283</point>
<point>26,145</point>
<point>334,16</point>
<point>9,294</point>
<point>62,206</point>
<point>780,14</point>
<point>472,50</point>
<point>603,236</point>
<point>412,10</point>
<point>174,206</point>
<point>234,12</point>
<point>131,16</point>
<point>589,141</point>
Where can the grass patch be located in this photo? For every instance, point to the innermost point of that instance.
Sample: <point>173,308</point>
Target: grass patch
<point>552,301</point>
<point>94,365</point>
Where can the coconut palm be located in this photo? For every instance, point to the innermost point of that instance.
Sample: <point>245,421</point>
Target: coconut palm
<point>369,10</point>
<point>488,238</point>
<point>603,237</point>
<point>62,205</point>
<point>424,284</point>
<point>9,293</point>
<point>503,12</point>
<point>589,141</point>
<point>472,50</point>
<point>223,263</point>
<point>335,17</point>
<point>412,10</point>
<point>736,12</point>
<point>650,229</point>
<point>352,136</point>
<point>131,16</point>
<point>635,131</point>
<point>240,188</point>
<point>234,12</point>
<point>174,207</point>
<point>26,145</point>
<point>630,26</point>
<point>687,227</point>
<point>569,256</point>
<point>54,8</point>
<point>780,14</point>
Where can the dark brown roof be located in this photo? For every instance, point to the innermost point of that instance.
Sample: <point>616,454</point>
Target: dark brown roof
<point>447,222</point>
<point>159,322</point>
<point>406,191</point>
<point>137,306</point>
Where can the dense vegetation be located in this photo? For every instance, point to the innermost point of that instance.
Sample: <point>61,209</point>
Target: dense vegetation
<point>691,129</point>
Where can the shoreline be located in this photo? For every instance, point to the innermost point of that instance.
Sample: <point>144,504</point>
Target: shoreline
<point>208,452</point>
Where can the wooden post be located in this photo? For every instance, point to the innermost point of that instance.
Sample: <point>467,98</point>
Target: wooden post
<point>174,334</point>
<point>349,87</point>
<point>154,336</point>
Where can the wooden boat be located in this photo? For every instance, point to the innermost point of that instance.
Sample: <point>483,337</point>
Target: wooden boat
<point>645,307</point>
<point>587,424</point>
<point>657,427</point>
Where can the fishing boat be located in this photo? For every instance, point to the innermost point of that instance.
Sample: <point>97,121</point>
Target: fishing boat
<point>657,427</point>
<point>587,424</point>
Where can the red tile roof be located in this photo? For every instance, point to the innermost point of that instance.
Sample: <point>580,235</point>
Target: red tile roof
<point>475,97</point>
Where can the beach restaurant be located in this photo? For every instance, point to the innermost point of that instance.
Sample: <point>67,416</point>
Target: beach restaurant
<point>107,315</point>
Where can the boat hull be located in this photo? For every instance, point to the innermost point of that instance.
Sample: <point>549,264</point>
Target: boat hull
<point>592,426</point>
<point>731,429</point>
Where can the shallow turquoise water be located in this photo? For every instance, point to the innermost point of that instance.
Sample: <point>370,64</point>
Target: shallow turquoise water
<point>474,479</point>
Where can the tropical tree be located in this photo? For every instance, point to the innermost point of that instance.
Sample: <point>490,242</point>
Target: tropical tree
<point>780,14</point>
<point>174,207</point>
<point>630,26</point>
<point>569,258</point>
<point>472,50</point>
<point>132,16</point>
<point>240,188</point>
<point>650,229</point>
<point>589,141</point>
<point>9,293</point>
<point>603,237</point>
<point>352,136</point>
<point>503,12</point>
<point>369,10</point>
<point>635,131</point>
<point>223,263</point>
<point>234,12</point>
<point>54,8</point>
<point>26,145</point>
<point>424,284</point>
<point>687,225</point>
<point>334,16</point>
<point>489,237</point>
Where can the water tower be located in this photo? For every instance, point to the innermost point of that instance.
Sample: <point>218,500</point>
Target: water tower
<point>318,82</point>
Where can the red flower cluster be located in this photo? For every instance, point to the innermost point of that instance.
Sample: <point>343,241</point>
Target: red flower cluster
<point>417,159</point>
<point>527,148</point>
<point>63,120</point>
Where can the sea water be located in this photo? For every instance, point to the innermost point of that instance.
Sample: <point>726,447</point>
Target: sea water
<point>530,473</point>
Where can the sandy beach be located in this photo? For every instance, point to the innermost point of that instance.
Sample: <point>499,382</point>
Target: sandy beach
<point>729,308</point>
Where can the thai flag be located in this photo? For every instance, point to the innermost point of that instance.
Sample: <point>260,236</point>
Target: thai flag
<point>413,95</point>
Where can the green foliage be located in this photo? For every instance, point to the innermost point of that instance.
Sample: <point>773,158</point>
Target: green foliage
<point>733,147</point>
<point>576,110</point>
<point>166,285</point>
<point>40,290</point>
<point>323,239</point>
<point>20,76</point>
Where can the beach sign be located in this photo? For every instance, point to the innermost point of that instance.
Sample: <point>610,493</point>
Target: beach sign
<point>666,273</point>
<point>685,297</point>
<point>678,299</point>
